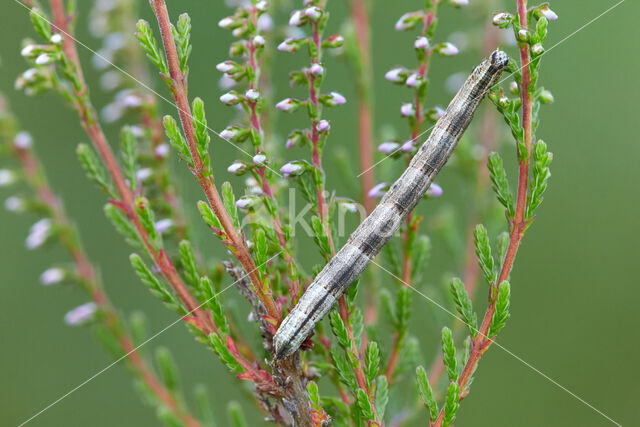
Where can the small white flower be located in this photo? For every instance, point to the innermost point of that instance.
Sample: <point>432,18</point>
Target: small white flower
<point>290,169</point>
<point>81,314</point>
<point>378,190</point>
<point>252,95</point>
<point>22,140</point>
<point>449,49</point>
<point>395,75</point>
<point>316,69</point>
<point>503,101</point>
<point>6,177</point>
<point>228,133</point>
<point>502,18</point>
<point>226,82</point>
<point>265,23</point>
<point>164,225</point>
<point>162,151</point>
<point>144,174</point>
<point>439,112</point>
<point>261,5</point>
<point>227,22</point>
<point>407,21</point>
<point>537,49</point>
<point>421,43</point>
<point>52,276</point>
<point>28,50</point>
<point>413,80</point>
<point>137,131</point>
<point>131,100</point>
<point>523,35</point>
<point>513,88</point>
<point>351,207</point>
<point>226,66</point>
<point>313,13</point>
<point>288,45</point>
<point>14,204</point>
<point>546,97</point>
<point>434,190</point>
<point>229,98</point>
<point>30,74</point>
<point>38,233</point>
<point>336,99</point>
<point>258,41</point>
<point>259,159</point>
<point>388,147</point>
<point>45,59</point>
<point>56,38</point>
<point>323,126</point>
<point>237,168</point>
<point>407,109</point>
<point>245,202</point>
<point>287,104</point>
<point>407,147</point>
<point>297,19</point>
<point>459,2</point>
<point>548,13</point>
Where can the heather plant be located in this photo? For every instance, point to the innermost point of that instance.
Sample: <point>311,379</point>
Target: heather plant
<point>365,364</point>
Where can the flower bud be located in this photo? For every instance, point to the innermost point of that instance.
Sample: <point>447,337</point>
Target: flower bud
<point>408,21</point>
<point>38,233</point>
<point>81,314</point>
<point>297,19</point>
<point>265,23</point>
<point>502,19</point>
<point>435,113</point>
<point>448,49</point>
<point>260,159</point>
<point>316,69</point>
<point>314,13</point>
<point>237,168</point>
<point>407,147</point>
<point>29,51</point>
<point>546,97</point>
<point>164,225</point>
<point>513,88</point>
<point>378,190</point>
<point>413,80</point>
<point>45,59</point>
<point>288,105</point>
<point>294,168</point>
<point>246,202</point>
<point>162,151</point>
<point>421,43</point>
<point>396,75</point>
<point>323,126</point>
<point>548,13</point>
<point>407,109</point>
<point>258,41</point>
<point>388,147</point>
<point>459,3</point>
<point>227,67</point>
<point>229,98</point>
<point>334,41</point>
<point>252,95</point>
<point>334,99</point>
<point>22,140</point>
<point>503,101</point>
<point>434,190</point>
<point>7,177</point>
<point>288,45</point>
<point>227,22</point>
<point>523,35</point>
<point>537,49</point>
<point>144,174</point>
<point>261,5</point>
<point>52,276</point>
<point>14,204</point>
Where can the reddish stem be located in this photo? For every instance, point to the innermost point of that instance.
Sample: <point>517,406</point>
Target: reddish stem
<point>482,342</point>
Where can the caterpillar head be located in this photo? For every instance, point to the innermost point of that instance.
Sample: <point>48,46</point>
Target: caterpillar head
<point>499,59</point>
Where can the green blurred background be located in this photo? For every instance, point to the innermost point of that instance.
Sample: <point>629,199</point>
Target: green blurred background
<point>575,283</point>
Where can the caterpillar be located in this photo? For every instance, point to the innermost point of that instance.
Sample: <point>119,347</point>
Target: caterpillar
<point>376,230</point>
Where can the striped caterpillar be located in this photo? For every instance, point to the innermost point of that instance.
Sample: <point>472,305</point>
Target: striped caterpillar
<point>376,230</point>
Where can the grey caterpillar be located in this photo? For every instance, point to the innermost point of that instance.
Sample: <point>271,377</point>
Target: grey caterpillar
<point>376,230</point>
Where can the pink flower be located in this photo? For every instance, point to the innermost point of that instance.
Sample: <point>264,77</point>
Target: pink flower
<point>421,43</point>
<point>291,169</point>
<point>413,80</point>
<point>52,276</point>
<point>388,147</point>
<point>334,99</point>
<point>316,69</point>
<point>548,13</point>
<point>237,168</point>
<point>229,98</point>
<point>288,105</point>
<point>226,66</point>
<point>407,147</point>
<point>297,19</point>
<point>434,190</point>
<point>407,109</point>
<point>448,49</point>
<point>323,126</point>
<point>81,314</point>
<point>378,190</point>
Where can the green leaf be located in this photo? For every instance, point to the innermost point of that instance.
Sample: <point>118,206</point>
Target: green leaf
<point>203,400</point>
<point>403,310</point>
<point>541,174</point>
<point>382,396</point>
<point>212,300</point>
<point>94,169</point>
<point>452,403</point>
<point>502,245</point>
<point>147,218</point>
<point>167,368</point>
<point>229,201</point>
<point>464,305</point>
<point>501,314</point>
<point>260,250</point>
<point>178,142</point>
<point>356,319</point>
<point>483,252</point>
<point>236,415</point>
<point>189,263</point>
<point>224,354</point>
<point>421,253</point>
<point>339,330</point>
<point>201,132</point>
<point>151,281</point>
<point>364,405</point>
<point>320,237</point>
<point>182,36</point>
<point>344,370</point>
<point>372,362</point>
<point>449,354</point>
<point>123,226</point>
<point>129,156</point>
<point>150,46</point>
<point>209,216</point>
<point>40,23</point>
<point>426,393</point>
<point>499,183</point>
